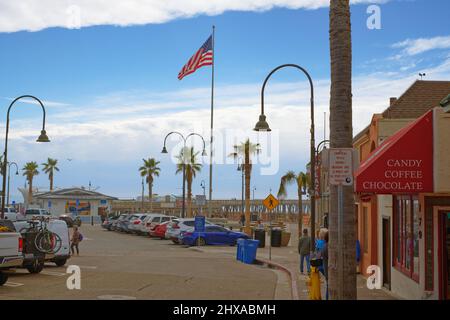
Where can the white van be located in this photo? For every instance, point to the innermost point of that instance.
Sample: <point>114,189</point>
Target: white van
<point>60,228</point>
<point>10,213</point>
<point>35,213</point>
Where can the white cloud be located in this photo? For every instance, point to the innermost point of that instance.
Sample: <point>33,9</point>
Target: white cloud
<point>412,47</point>
<point>95,132</point>
<point>32,15</point>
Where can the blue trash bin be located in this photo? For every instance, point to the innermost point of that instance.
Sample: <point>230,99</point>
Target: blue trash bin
<point>251,246</point>
<point>240,249</point>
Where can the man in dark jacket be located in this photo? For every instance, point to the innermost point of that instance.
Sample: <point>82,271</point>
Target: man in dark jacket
<point>304,248</point>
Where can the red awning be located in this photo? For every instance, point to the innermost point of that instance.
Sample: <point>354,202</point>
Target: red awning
<point>403,163</point>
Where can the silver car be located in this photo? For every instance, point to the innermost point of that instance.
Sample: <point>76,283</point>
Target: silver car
<point>178,225</point>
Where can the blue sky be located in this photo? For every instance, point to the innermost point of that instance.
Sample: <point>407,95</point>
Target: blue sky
<point>112,93</point>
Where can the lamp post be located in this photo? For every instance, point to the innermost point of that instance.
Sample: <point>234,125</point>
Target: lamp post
<point>164,150</point>
<point>9,171</point>
<point>320,147</point>
<point>262,125</point>
<point>203,185</point>
<point>42,138</point>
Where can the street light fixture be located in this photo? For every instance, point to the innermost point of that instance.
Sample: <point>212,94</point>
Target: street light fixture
<point>164,151</point>
<point>263,126</point>
<point>9,171</point>
<point>42,138</point>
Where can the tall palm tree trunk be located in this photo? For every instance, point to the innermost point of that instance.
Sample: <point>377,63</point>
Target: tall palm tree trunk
<point>248,170</point>
<point>300,212</point>
<point>51,181</point>
<point>189,194</point>
<point>30,191</point>
<point>341,137</point>
<point>150,192</point>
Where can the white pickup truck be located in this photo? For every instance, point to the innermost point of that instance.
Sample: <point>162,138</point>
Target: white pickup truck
<point>10,249</point>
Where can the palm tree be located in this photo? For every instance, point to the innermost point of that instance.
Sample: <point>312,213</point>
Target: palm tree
<point>150,170</point>
<point>49,168</point>
<point>246,150</point>
<point>303,184</point>
<point>30,169</point>
<point>188,157</point>
<point>341,133</point>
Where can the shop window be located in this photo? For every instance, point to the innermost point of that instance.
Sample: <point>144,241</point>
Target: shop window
<point>406,235</point>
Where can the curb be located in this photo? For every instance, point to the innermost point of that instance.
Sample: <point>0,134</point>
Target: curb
<point>294,289</point>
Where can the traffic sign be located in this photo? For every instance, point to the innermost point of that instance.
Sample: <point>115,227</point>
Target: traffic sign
<point>271,202</point>
<point>341,166</point>
<point>200,200</point>
<point>199,224</point>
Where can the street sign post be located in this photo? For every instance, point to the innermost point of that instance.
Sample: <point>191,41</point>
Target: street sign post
<point>341,167</point>
<point>270,203</point>
<point>199,226</point>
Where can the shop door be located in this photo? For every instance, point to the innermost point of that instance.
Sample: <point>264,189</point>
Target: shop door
<point>444,244</point>
<point>387,253</point>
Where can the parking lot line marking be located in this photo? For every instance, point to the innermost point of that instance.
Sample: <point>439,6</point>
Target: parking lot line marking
<point>13,284</point>
<point>88,267</point>
<point>54,273</point>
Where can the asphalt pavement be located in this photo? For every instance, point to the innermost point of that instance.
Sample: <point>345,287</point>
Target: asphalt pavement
<point>123,266</point>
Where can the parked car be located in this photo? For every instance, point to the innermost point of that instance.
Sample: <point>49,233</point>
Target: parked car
<point>11,213</point>
<point>116,222</point>
<point>108,223</point>
<point>178,225</point>
<point>122,224</point>
<point>156,220</point>
<point>135,222</point>
<point>159,231</point>
<point>143,228</point>
<point>213,235</point>
<point>34,213</point>
<point>11,245</point>
<point>60,257</point>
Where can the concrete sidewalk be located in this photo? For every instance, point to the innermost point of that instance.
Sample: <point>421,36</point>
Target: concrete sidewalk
<point>289,258</point>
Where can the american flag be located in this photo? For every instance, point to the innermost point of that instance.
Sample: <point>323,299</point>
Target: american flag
<point>203,57</point>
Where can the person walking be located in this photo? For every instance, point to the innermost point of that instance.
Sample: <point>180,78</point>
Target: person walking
<point>304,244</point>
<point>75,241</point>
<point>242,220</point>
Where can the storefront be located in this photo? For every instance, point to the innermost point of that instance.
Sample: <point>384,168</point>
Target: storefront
<point>88,205</point>
<point>410,174</point>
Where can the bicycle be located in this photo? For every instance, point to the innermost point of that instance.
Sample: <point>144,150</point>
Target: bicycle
<point>45,240</point>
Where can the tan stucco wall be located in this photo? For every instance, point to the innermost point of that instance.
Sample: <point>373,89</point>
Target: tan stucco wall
<point>441,151</point>
<point>388,127</point>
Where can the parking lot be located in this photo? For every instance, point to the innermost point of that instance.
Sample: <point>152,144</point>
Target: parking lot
<point>124,266</point>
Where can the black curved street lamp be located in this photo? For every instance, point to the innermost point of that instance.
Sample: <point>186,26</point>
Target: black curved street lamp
<point>262,125</point>
<point>9,171</point>
<point>164,150</point>
<point>42,138</point>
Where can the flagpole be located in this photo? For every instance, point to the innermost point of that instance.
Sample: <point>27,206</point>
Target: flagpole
<point>212,125</point>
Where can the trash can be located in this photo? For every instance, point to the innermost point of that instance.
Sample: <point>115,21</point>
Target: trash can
<point>240,249</point>
<point>260,235</point>
<point>275,238</point>
<point>251,246</point>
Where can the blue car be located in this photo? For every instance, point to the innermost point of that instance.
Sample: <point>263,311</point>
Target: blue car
<point>213,235</point>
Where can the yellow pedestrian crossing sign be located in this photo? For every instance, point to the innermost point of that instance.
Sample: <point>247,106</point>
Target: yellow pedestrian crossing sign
<point>271,202</point>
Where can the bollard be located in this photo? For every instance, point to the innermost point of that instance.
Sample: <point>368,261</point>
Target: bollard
<point>314,284</point>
